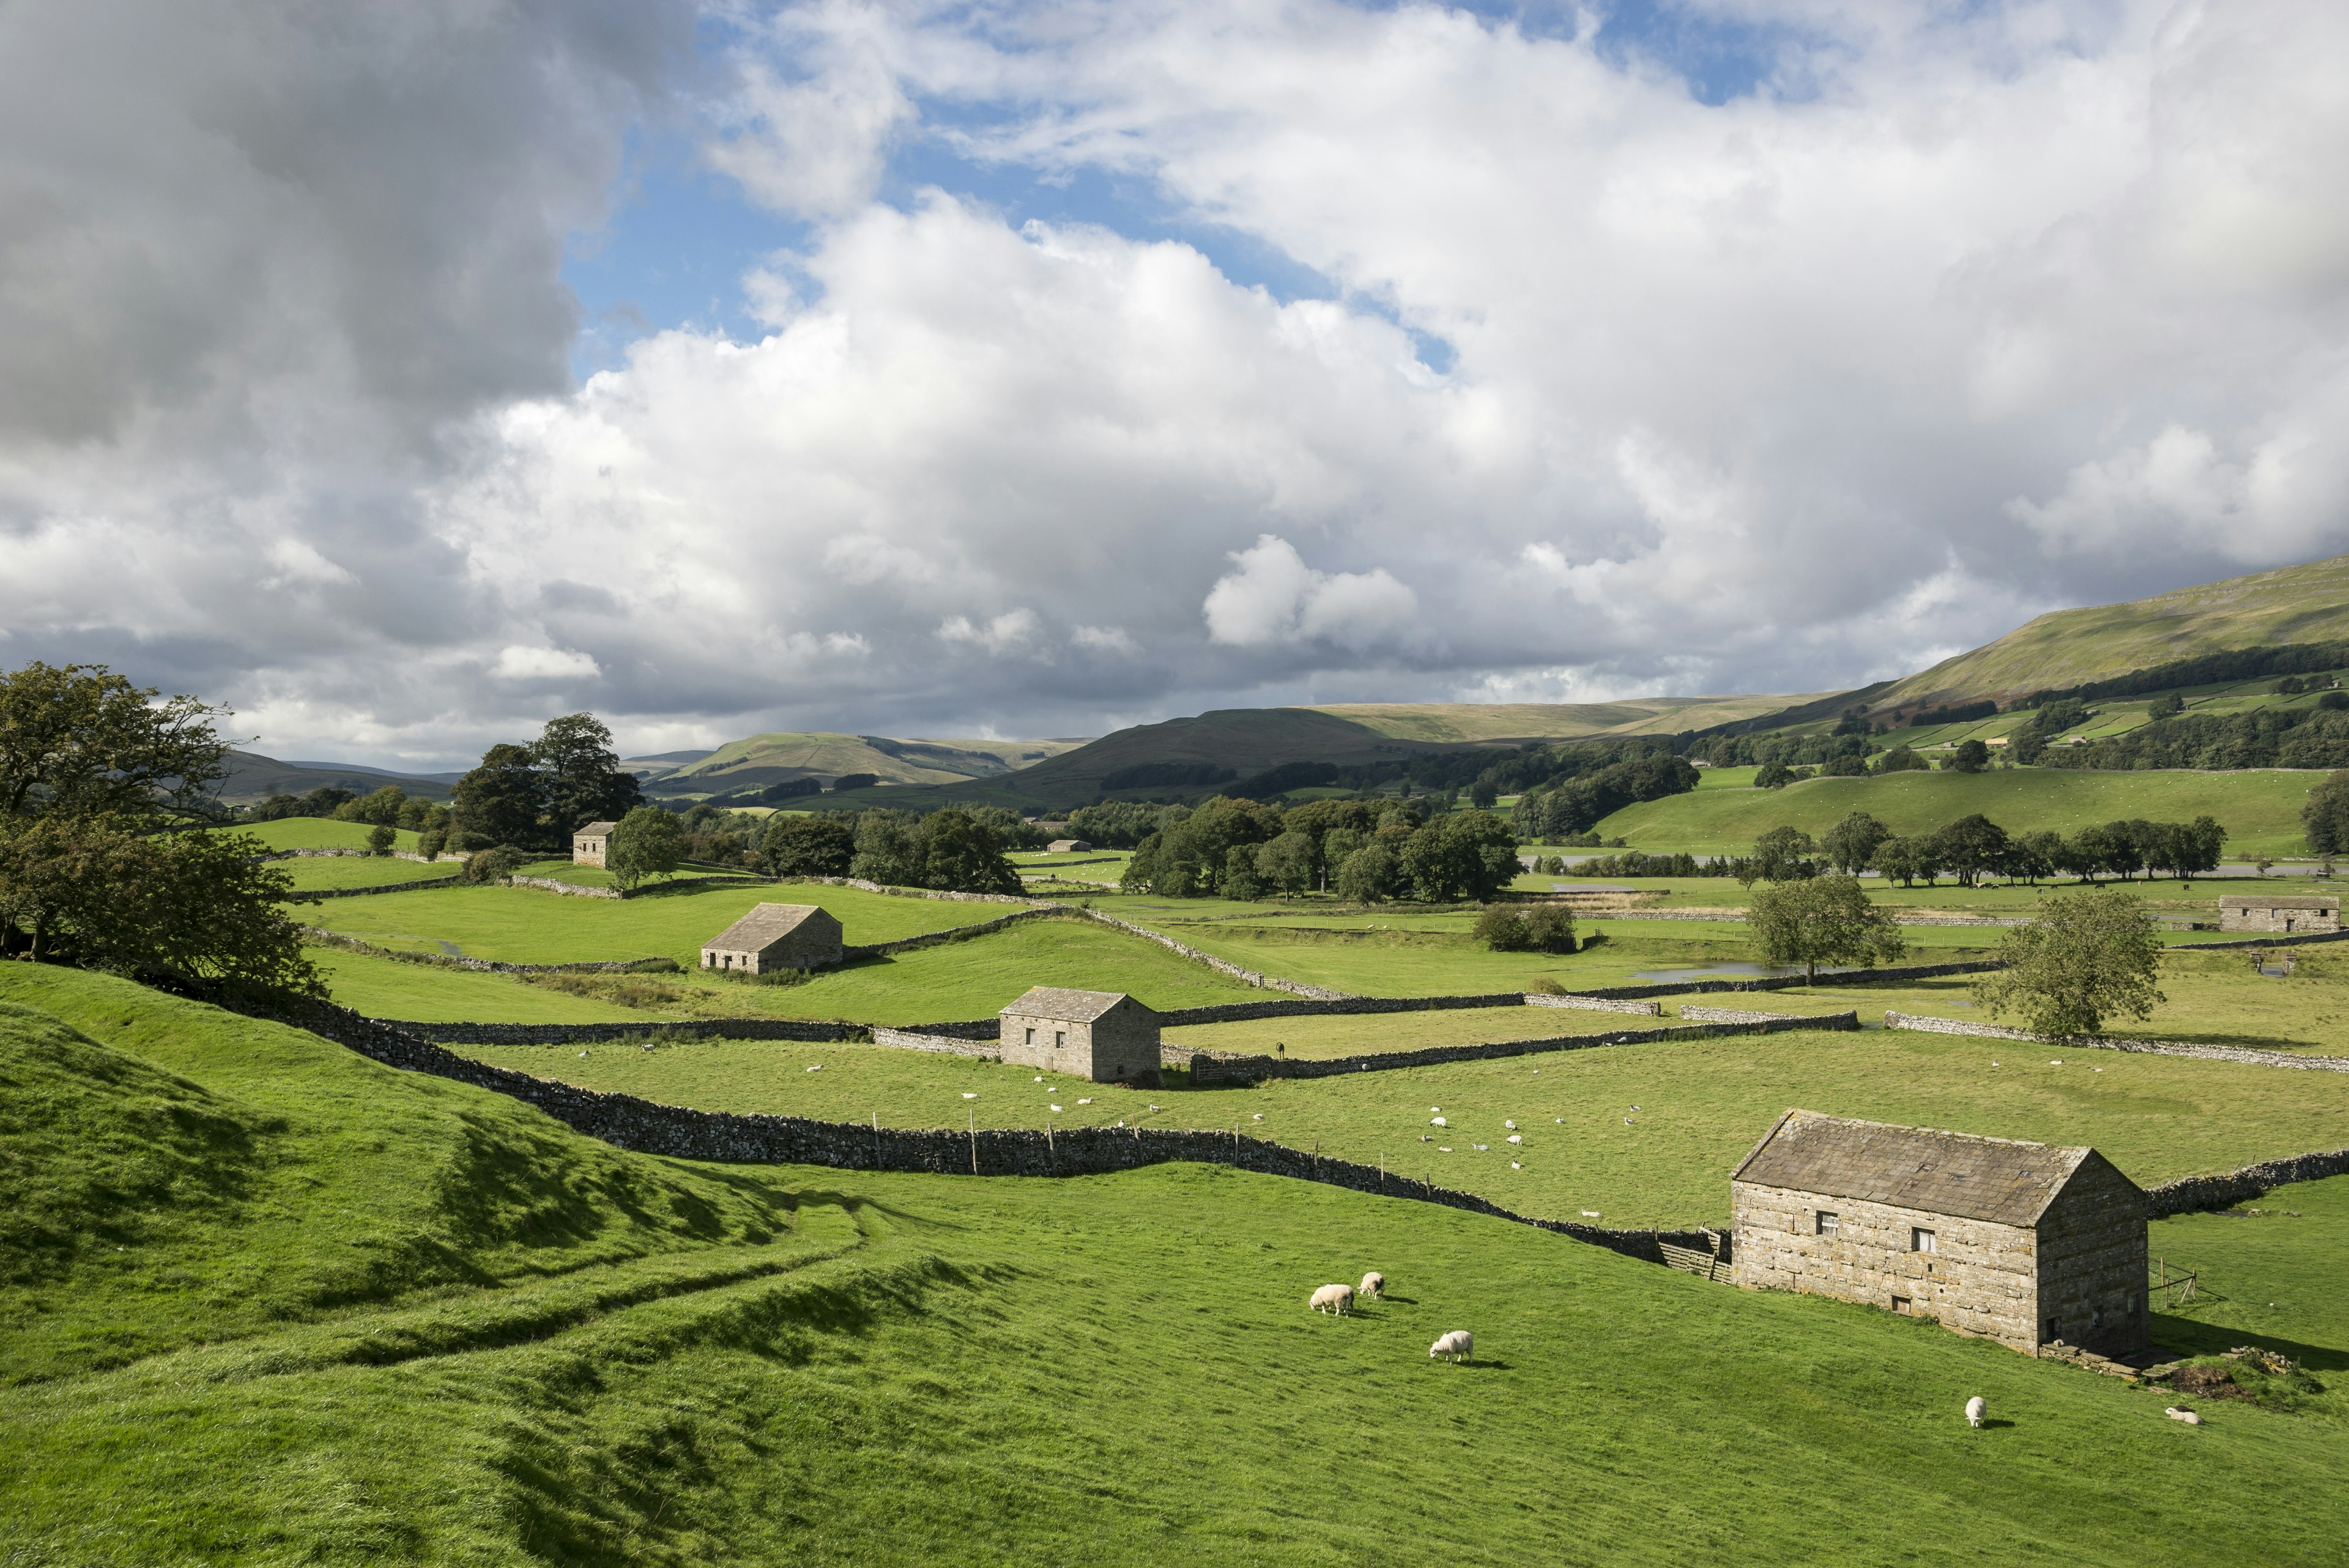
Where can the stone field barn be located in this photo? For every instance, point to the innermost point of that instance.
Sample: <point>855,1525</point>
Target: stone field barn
<point>588,844</point>
<point>774,937</point>
<point>2026,1243</point>
<point>1104,1035</point>
<point>2279,913</point>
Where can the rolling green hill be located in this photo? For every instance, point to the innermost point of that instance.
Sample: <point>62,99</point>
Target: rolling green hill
<point>1500,724</point>
<point>2294,604</point>
<point>2258,808</point>
<point>270,1303</point>
<point>776,758</point>
<point>253,777</point>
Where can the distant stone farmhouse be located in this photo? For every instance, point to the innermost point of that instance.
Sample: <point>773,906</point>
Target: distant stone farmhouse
<point>1104,1035</point>
<point>2274,912</point>
<point>774,937</point>
<point>2026,1243</point>
<point>588,844</point>
<point>1068,846</point>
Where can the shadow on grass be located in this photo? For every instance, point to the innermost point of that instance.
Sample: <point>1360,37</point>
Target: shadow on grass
<point>2190,1337</point>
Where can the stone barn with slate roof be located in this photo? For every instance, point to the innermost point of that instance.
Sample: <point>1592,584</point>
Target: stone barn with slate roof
<point>588,844</point>
<point>1104,1035</point>
<point>774,937</point>
<point>2279,913</point>
<point>2026,1243</point>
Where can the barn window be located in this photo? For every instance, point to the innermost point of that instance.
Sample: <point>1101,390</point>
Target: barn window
<point>1920,1240</point>
<point>2132,1303</point>
<point>1032,1037</point>
<point>1900,1305</point>
<point>1826,1223</point>
<point>1060,1038</point>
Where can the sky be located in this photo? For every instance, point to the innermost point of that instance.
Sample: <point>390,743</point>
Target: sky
<point>401,375</point>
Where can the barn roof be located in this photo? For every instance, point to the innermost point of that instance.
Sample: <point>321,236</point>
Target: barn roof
<point>765,923</point>
<point>1074,1006</point>
<point>2278,901</point>
<point>599,827</point>
<point>1999,1179</point>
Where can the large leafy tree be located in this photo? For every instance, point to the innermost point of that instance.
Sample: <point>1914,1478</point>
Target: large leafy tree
<point>501,801</point>
<point>817,844</point>
<point>1850,845</point>
<point>1457,858</point>
<point>647,842</point>
<point>2090,954</point>
<point>961,854</point>
<point>1821,920</point>
<point>2325,817</point>
<point>1973,847</point>
<point>100,781</point>
<point>80,741</point>
<point>580,779</point>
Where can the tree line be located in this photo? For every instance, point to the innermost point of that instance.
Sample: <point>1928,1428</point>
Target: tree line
<point>1363,851</point>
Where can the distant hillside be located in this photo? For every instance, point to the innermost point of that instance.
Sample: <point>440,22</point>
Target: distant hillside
<point>1498,723</point>
<point>777,758</point>
<point>2069,647</point>
<point>253,777</point>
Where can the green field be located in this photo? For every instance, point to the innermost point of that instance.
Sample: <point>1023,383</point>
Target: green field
<point>1311,1038</point>
<point>2260,809</point>
<point>2269,1273</point>
<point>313,872</point>
<point>271,1303</point>
<point>319,833</point>
<point>528,925</point>
<point>387,988</point>
<point>1702,1104</point>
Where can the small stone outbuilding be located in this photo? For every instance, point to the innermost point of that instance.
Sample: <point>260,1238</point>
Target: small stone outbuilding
<point>774,937</point>
<point>1068,846</point>
<point>2279,913</point>
<point>1104,1035</point>
<point>588,844</point>
<point>2026,1243</point>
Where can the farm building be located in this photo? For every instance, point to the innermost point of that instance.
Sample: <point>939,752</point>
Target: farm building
<point>2279,913</point>
<point>1104,1035</point>
<point>1068,846</point>
<point>775,936</point>
<point>588,844</point>
<point>2026,1243</point>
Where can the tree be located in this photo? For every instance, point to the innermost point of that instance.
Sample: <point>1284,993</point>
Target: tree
<point>889,848</point>
<point>1851,845</point>
<point>2325,816</point>
<point>820,843</point>
<point>1290,863</point>
<point>581,778</point>
<point>962,855</point>
<point>1969,757</point>
<point>1783,854</point>
<point>1905,859</point>
<point>2187,849</point>
<point>1824,919</point>
<point>381,838</point>
<point>1368,875</point>
<point>1114,823</point>
<point>1467,856</point>
<point>500,801</point>
<point>1240,880</point>
<point>1973,847</point>
<point>2032,856</point>
<point>80,741</point>
<point>1901,759</point>
<point>1773,776</point>
<point>380,809</point>
<point>647,842</point>
<point>2027,746</point>
<point>2090,954</point>
<point>1542,929</point>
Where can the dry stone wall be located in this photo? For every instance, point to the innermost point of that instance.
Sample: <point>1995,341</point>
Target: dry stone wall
<point>2113,1042</point>
<point>307,894</point>
<point>1592,1004</point>
<point>1221,966</point>
<point>944,1044</point>
<point>680,1029</point>
<point>1740,1015</point>
<point>953,934</point>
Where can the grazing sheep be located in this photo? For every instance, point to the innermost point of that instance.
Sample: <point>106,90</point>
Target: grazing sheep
<point>1457,1347</point>
<point>1373,1286</point>
<point>1335,1300</point>
<point>1974,1408</point>
<point>2188,1417</point>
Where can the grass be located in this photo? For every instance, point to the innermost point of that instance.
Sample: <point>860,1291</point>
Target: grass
<point>1702,1104</point>
<point>372,871</point>
<point>2269,1275</point>
<point>1315,1038</point>
<point>386,987</point>
<point>319,833</point>
<point>525,924</point>
<point>362,1316</point>
<point>2260,809</point>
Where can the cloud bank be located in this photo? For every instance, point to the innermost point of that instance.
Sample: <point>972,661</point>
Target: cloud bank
<point>1415,354</point>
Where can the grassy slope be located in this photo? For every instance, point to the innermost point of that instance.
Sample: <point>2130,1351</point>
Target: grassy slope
<point>2296,604</point>
<point>1494,723</point>
<point>524,924</point>
<point>1702,1103</point>
<point>370,871</point>
<point>2260,810</point>
<point>386,987</point>
<point>762,759</point>
<point>1058,1372</point>
<point>2270,1277</point>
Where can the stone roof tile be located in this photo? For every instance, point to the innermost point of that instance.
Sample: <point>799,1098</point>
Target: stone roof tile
<point>2002,1181</point>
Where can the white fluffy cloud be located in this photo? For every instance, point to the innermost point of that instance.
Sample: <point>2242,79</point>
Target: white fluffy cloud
<point>1963,315</point>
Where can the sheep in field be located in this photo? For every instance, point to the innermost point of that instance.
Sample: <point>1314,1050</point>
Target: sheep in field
<point>1374,1285</point>
<point>1459,1345</point>
<point>1975,1409</point>
<point>1336,1299</point>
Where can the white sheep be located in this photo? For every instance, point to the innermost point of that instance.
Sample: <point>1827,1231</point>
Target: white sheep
<point>1336,1299</point>
<point>1459,1345</point>
<point>1374,1285</point>
<point>2188,1417</point>
<point>1975,1409</point>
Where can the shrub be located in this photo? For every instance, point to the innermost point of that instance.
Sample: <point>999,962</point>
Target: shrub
<point>380,838</point>
<point>430,842</point>
<point>493,864</point>
<point>1542,929</point>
